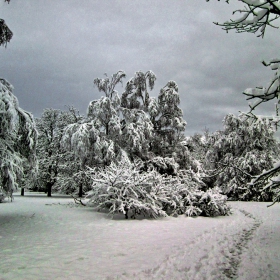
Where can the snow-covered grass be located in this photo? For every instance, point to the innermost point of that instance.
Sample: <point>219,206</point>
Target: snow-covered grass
<point>52,238</point>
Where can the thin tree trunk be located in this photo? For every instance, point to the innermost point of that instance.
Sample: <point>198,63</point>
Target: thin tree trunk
<point>22,192</point>
<point>49,189</point>
<point>80,190</point>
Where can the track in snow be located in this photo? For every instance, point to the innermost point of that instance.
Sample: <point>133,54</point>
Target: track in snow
<point>214,254</point>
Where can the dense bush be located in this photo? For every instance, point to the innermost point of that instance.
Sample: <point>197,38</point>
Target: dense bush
<point>124,188</point>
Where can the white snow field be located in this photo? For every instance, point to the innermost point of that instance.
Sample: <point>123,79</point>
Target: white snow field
<point>52,238</point>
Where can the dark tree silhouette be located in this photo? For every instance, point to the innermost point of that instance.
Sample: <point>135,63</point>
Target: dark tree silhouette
<point>5,33</point>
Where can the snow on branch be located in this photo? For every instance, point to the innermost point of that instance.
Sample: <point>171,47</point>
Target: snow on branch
<point>255,16</point>
<point>264,94</point>
<point>270,179</point>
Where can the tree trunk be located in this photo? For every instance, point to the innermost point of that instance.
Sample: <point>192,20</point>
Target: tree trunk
<point>49,189</point>
<point>126,212</point>
<point>22,192</point>
<point>80,190</point>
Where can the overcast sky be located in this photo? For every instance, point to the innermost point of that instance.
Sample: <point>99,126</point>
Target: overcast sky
<point>59,47</point>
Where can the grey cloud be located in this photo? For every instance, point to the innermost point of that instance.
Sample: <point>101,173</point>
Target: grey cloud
<point>59,47</point>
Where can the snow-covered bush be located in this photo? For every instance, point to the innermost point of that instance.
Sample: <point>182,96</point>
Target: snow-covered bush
<point>212,203</point>
<point>184,195</point>
<point>124,188</point>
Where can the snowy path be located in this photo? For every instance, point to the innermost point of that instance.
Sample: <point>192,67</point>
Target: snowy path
<point>50,238</point>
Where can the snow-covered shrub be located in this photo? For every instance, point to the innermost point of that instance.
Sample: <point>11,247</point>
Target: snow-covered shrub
<point>212,203</point>
<point>124,188</point>
<point>185,196</point>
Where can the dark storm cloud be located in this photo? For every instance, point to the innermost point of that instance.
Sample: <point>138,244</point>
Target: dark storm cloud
<point>59,47</point>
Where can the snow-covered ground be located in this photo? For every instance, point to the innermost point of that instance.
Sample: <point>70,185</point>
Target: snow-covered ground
<point>52,238</point>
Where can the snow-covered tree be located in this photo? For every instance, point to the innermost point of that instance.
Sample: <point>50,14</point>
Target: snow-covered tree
<point>18,138</point>
<point>137,133</point>
<point>169,125</point>
<point>55,162</point>
<point>242,150</point>
<point>109,130</point>
<point>198,145</point>
<point>255,17</point>
<point>124,128</point>
<point>5,33</point>
<point>166,118</point>
<point>95,139</point>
